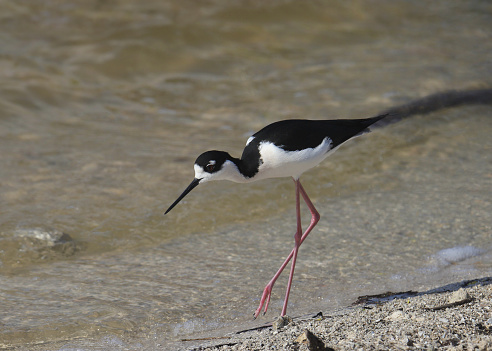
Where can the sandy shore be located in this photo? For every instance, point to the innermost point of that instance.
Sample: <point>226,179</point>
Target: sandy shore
<point>453,317</point>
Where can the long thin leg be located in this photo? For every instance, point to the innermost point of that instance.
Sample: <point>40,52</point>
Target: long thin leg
<point>297,241</point>
<point>265,298</point>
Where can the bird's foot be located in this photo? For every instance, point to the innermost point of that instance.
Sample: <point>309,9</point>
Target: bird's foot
<point>265,300</point>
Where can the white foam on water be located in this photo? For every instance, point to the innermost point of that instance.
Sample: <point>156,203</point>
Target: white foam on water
<point>458,254</point>
<point>453,256</point>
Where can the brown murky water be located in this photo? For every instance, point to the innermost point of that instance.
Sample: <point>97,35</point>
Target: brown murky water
<point>106,104</point>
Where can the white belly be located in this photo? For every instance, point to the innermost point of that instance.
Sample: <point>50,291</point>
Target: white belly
<point>280,163</point>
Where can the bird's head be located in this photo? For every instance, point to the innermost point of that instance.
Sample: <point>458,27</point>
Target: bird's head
<point>211,165</point>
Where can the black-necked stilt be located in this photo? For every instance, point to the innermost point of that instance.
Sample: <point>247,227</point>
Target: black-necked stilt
<point>282,149</point>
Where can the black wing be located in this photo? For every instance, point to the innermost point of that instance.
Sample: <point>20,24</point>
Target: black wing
<point>297,134</point>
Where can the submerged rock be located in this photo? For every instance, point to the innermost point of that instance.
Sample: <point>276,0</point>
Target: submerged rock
<point>45,240</point>
<point>49,237</point>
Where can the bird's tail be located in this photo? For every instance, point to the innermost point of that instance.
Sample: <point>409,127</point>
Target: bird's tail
<point>434,102</point>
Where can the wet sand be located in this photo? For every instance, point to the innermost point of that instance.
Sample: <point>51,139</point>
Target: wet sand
<point>453,317</point>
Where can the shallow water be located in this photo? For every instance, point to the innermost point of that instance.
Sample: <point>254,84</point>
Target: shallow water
<point>106,105</point>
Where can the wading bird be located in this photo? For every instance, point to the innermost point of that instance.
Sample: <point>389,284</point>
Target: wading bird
<point>282,149</point>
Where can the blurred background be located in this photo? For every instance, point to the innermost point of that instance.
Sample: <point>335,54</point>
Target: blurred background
<point>105,104</point>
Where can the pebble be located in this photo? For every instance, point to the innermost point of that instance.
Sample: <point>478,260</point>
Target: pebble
<point>458,296</point>
<point>281,322</point>
<point>397,315</point>
<point>312,342</point>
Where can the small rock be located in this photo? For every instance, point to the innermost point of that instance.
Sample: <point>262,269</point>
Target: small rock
<point>484,345</point>
<point>312,341</point>
<point>281,322</point>
<point>49,237</point>
<point>458,296</point>
<point>46,241</point>
<point>397,315</point>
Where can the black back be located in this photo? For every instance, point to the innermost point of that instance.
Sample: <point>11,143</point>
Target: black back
<point>299,134</point>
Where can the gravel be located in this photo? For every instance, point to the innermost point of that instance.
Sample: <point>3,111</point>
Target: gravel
<point>454,317</point>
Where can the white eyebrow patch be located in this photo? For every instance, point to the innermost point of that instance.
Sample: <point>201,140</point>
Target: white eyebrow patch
<point>250,139</point>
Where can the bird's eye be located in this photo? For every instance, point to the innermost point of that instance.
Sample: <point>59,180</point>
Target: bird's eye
<point>210,167</point>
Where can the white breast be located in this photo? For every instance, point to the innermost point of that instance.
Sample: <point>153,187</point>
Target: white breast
<point>280,163</point>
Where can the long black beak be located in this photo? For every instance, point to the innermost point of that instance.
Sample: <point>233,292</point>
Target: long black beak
<point>190,187</point>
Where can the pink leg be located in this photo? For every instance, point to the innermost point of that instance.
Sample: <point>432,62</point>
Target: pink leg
<point>297,240</point>
<point>265,298</point>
